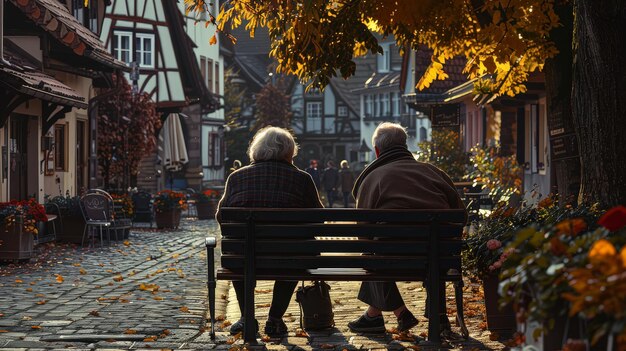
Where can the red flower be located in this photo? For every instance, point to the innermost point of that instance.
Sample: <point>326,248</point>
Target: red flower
<point>614,219</point>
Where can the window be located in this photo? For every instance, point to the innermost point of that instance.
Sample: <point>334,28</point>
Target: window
<point>376,109</point>
<point>423,134</point>
<point>367,101</point>
<point>203,66</point>
<point>215,157</point>
<point>122,46</point>
<point>395,104</point>
<point>209,74</point>
<point>342,111</point>
<point>59,147</point>
<point>384,102</point>
<point>87,16</point>
<point>144,50</point>
<point>383,61</point>
<point>314,117</point>
<point>217,78</point>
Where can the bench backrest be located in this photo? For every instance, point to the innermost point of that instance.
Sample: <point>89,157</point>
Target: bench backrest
<point>292,239</point>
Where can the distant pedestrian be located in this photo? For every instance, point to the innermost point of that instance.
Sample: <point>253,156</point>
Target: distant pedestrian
<point>346,181</point>
<point>330,181</point>
<point>315,173</point>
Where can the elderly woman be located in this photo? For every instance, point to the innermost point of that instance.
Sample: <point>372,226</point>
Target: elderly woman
<point>271,180</point>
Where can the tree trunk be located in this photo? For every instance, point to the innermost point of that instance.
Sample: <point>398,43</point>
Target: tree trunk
<point>559,104</point>
<point>599,99</point>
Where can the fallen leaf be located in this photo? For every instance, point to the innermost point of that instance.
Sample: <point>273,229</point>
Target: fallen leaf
<point>175,256</point>
<point>3,331</point>
<point>261,291</point>
<point>35,327</point>
<point>130,331</point>
<point>60,278</point>
<point>261,305</point>
<point>29,289</point>
<point>338,302</point>
<point>158,298</point>
<point>39,295</point>
<point>148,287</point>
<point>158,271</point>
<point>166,332</point>
<point>266,338</point>
<point>150,339</point>
<point>19,281</point>
<point>184,309</point>
<point>218,318</point>
<point>82,271</point>
<point>76,265</point>
<point>301,333</point>
<point>126,243</point>
<point>494,336</point>
<point>95,313</point>
<point>118,278</point>
<point>42,302</point>
<point>226,324</point>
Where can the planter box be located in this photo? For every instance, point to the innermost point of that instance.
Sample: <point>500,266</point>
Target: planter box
<point>167,219</point>
<point>206,210</point>
<point>499,320</point>
<point>71,230</point>
<point>16,245</point>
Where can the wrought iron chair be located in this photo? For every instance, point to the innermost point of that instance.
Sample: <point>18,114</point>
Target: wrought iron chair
<point>96,210</point>
<point>142,204</point>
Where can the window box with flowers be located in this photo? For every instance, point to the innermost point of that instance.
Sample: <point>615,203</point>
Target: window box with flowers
<point>206,203</point>
<point>168,206</point>
<point>18,225</point>
<point>123,213</point>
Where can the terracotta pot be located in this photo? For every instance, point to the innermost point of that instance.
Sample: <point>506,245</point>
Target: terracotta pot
<point>71,229</point>
<point>206,210</point>
<point>167,219</point>
<point>500,320</point>
<point>16,244</point>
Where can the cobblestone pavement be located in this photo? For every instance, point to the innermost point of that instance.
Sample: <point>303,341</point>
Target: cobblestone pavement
<point>150,293</point>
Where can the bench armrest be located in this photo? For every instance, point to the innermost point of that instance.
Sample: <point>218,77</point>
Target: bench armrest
<point>210,242</point>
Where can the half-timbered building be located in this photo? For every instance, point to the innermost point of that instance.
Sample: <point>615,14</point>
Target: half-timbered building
<point>51,63</point>
<point>152,36</point>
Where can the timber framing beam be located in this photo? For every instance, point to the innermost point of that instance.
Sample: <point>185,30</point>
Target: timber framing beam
<point>51,114</point>
<point>14,100</point>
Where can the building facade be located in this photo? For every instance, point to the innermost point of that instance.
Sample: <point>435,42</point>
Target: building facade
<point>53,63</point>
<point>152,35</point>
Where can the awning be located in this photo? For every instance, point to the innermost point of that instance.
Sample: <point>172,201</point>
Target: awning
<point>57,20</point>
<point>174,149</point>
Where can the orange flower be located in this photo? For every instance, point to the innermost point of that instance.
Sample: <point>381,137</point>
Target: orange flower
<point>547,202</point>
<point>571,226</point>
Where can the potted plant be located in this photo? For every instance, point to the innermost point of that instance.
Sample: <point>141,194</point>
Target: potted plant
<point>18,224</point>
<point>206,203</point>
<point>534,276</point>
<point>72,220</point>
<point>168,206</point>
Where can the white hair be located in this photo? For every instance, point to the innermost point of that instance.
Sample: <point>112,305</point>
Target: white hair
<point>272,143</point>
<point>389,134</point>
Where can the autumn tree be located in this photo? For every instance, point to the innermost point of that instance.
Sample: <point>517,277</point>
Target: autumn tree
<point>503,40</point>
<point>127,126</point>
<point>237,135</point>
<point>273,108</point>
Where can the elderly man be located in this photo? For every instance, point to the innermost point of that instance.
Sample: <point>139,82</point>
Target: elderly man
<point>271,180</point>
<point>395,180</point>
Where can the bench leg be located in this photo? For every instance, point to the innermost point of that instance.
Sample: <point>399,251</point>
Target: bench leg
<point>460,319</point>
<point>249,331</point>
<point>433,291</point>
<point>211,284</point>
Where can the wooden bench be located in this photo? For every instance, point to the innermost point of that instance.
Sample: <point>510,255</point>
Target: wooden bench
<point>311,244</point>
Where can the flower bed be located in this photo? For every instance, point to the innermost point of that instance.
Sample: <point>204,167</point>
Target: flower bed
<point>168,206</point>
<point>206,203</point>
<point>18,224</point>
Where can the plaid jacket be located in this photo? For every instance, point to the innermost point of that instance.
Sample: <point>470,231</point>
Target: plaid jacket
<point>276,184</point>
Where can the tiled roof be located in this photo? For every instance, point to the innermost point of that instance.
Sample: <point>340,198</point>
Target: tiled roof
<point>22,76</point>
<point>57,20</point>
<point>453,67</point>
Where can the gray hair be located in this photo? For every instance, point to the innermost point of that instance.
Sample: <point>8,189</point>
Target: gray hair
<point>389,134</point>
<point>272,143</point>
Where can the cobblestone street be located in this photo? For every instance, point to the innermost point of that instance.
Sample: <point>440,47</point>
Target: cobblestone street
<point>150,293</point>
<point>149,290</point>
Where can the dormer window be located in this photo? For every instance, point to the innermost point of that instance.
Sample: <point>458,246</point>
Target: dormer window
<point>87,16</point>
<point>383,62</point>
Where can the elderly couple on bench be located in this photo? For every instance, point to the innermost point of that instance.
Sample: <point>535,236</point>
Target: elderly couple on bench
<point>395,180</point>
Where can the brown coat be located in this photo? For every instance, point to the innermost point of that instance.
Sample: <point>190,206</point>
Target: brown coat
<point>408,184</point>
